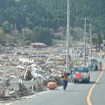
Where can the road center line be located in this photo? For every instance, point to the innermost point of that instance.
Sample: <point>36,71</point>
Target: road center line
<point>90,91</point>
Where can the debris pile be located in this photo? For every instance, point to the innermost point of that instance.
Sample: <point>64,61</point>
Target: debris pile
<point>26,70</point>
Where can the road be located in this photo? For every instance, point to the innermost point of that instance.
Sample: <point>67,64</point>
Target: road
<point>92,93</point>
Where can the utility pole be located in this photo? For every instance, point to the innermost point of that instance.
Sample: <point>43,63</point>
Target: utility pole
<point>85,42</point>
<point>16,32</point>
<point>90,41</point>
<point>68,35</point>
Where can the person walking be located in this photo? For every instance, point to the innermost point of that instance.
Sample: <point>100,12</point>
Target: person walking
<point>65,80</point>
<point>100,66</point>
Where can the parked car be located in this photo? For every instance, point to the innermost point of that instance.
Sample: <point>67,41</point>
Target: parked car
<point>81,74</point>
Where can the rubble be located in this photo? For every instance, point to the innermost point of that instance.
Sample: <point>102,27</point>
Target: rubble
<point>27,70</point>
<point>16,71</point>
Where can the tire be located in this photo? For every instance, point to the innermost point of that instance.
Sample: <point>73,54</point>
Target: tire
<point>74,81</point>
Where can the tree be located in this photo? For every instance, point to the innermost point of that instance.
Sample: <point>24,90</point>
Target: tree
<point>9,39</point>
<point>2,37</point>
<point>99,40</point>
<point>42,34</point>
<point>7,27</point>
<point>26,34</point>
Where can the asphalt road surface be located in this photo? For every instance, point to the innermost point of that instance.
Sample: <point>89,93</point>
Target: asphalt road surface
<point>92,93</point>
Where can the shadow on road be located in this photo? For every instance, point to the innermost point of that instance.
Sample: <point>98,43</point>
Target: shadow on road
<point>92,82</point>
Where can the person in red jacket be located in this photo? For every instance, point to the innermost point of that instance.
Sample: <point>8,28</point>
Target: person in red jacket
<point>100,66</point>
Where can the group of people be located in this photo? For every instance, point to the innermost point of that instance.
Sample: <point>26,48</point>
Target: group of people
<point>97,67</point>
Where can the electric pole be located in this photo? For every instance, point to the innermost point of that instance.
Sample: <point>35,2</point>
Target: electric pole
<point>68,35</point>
<point>85,43</point>
<point>90,41</point>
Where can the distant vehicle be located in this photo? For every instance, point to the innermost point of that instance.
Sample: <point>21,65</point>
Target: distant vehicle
<point>81,74</point>
<point>93,59</point>
<point>94,64</point>
<point>80,55</point>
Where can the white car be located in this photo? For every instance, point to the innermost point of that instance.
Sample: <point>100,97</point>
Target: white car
<point>81,74</point>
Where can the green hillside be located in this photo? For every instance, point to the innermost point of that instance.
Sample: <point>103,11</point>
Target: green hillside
<point>50,14</point>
